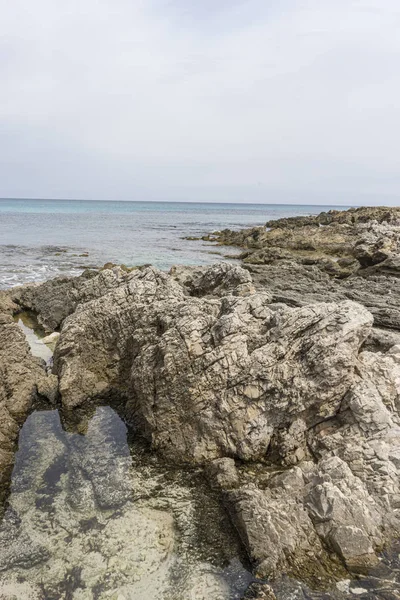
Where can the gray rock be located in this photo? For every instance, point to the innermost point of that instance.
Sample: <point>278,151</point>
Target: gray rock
<point>23,380</point>
<point>209,370</point>
<point>345,516</point>
<point>208,378</point>
<point>278,533</point>
<point>222,474</point>
<point>57,298</point>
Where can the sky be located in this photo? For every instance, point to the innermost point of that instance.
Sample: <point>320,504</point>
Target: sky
<point>292,101</point>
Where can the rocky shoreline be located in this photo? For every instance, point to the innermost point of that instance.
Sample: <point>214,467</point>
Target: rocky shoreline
<point>279,377</point>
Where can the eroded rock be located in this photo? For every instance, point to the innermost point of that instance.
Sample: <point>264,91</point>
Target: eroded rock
<point>23,380</point>
<point>206,377</point>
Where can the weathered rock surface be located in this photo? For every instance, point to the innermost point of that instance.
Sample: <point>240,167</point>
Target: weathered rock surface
<point>362,214</point>
<point>221,280</point>
<point>288,365</point>
<point>57,298</point>
<point>206,377</point>
<point>348,495</point>
<point>23,380</point>
<point>341,254</point>
<point>209,369</point>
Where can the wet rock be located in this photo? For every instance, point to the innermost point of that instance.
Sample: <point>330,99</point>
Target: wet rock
<point>23,380</point>
<point>17,548</point>
<point>99,464</point>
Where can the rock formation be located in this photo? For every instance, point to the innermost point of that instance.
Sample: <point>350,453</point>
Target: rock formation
<point>23,380</point>
<point>281,377</point>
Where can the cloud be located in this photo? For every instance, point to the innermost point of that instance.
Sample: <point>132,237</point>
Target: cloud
<point>232,100</point>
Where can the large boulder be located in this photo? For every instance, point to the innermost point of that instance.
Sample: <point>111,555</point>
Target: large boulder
<point>208,377</point>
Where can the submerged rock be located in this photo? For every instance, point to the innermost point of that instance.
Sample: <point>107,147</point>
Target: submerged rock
<point>143,541</point>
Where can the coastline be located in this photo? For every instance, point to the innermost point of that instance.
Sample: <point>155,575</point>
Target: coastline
<point>278,376</point>
<point>41,240</point>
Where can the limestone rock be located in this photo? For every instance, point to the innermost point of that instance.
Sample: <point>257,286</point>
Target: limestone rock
<point>208,378</point>
<point>57,298</point>
<point>362,214</point>
<point>22,380</point>
<point>222,474</point>
<point>345,516</point>
<point>220,280</point>
<point>277,531</point>
<point>96,347</point>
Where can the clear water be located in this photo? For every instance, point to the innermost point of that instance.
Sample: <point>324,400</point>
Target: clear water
<point>93,516</point>
<point>40,239</point>
<point>34,336</point>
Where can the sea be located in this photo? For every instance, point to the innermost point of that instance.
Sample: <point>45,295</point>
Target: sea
<point>40,239</point>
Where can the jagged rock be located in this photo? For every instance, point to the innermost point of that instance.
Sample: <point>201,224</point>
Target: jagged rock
<point>222,474</point>
<point>345,516</point>
<point>348,497</point>
<point>96,347</point>
<point>22,380</point>
<point>366,431</point>
<point>220,279</point>
<point>304,516</point>
<point>208,378</point>
<point>277,531</point>
<point>362,214</point>
<point>57,298</point>
<point>208,369</point>
<point>298,285</point>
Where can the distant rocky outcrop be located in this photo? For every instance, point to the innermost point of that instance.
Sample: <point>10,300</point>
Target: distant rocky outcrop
<point>339,243</point>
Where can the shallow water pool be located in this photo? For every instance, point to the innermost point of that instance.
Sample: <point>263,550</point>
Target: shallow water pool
<point>92,515</point>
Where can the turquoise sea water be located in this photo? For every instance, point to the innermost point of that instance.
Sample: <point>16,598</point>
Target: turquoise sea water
<point>44,238</point>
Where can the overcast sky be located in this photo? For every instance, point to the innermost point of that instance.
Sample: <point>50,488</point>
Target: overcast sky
<point>216,100</point>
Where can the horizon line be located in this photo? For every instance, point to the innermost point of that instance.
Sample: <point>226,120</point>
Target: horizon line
<point>180,202</point>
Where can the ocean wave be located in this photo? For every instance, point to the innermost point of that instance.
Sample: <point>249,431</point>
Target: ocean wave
<point>33,273</point>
